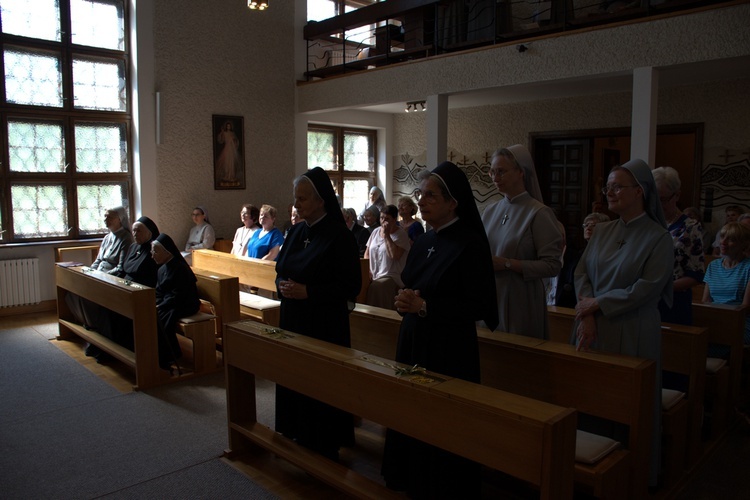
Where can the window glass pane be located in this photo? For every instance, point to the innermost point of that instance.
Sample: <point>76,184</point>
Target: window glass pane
<point>101,147</point>
<point>317,10</point>
<point>356,192</point>
<point>39,211</point>
<point>358,153</point>
<point>94,200</point>
<point>320,149</point>
<point>32,18</point>
<point>36,147</point>
<point>98,23</point>
<point>32,78</point>
<point>99,84</point>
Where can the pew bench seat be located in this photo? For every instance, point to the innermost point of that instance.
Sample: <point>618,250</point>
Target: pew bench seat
<point>602,467</point>
<point>200,328</point>
<point>260,308</point>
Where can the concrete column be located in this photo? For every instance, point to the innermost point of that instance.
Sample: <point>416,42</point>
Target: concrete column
<point>645,101</point>
<point>437,130</point>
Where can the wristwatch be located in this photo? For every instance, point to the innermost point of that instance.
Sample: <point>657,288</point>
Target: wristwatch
<point>507,264</point>
<point>423,310</point>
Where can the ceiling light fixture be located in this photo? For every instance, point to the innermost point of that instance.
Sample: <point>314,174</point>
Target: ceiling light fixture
<point>416,106</point>
<point>257,4</point>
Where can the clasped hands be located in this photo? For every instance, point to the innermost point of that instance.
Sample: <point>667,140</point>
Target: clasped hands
<point>290,289</point>
<point>408,301</point>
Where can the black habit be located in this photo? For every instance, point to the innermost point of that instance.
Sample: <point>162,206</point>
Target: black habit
<point>176,297</point>
<point>138,267</point>
<point>323,257</point>
<point>452,270</point>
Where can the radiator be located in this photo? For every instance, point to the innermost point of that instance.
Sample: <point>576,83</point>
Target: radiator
<point>19,282</point>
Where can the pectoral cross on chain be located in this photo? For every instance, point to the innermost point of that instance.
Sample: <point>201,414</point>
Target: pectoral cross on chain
<point>429,251</point>
<point>620,244</point>
<point>306,242</point>
<point>505,219</point>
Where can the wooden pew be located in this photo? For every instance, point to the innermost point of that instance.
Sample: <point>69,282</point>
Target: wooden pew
<point>726,326</point>
<point>221,291</point>
<point>617,388</point>
<point>683,352</point>
<point>222,245</point>
<point>132,301</point>
<point>257,273</point>
<point>85,254</point>
<point>531,440</point>
<point>375,330</point>
<point>138,303</point>
<point>364,269</point>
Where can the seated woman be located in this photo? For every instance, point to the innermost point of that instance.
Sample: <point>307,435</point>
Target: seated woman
<point>176,297</point>
<point>407,209</point>
<point>110,260</point>
<point>387,250</point>
<point>138,265</point>
<point>266,242</point>
<point>202,235</point>
<point>728,278</point>
<point>140,268</point>
<point>249,217</point>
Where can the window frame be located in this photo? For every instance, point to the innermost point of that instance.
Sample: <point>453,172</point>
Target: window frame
<point>68,115</point>
<point>340,175</point>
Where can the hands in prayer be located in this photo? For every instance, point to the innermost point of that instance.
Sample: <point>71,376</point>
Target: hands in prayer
<point>408,301</point>
<point>290,289</point>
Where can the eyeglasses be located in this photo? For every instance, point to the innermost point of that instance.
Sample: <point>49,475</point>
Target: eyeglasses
<point>496,172</point>
<point>428,196</point>
<point>588,225</point>
<point>616,188</point>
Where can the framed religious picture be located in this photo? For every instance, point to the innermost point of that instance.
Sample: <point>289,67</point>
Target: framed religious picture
<point>229,152</point>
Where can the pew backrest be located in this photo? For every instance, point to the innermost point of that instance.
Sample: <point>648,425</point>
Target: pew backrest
<point>529,439</point>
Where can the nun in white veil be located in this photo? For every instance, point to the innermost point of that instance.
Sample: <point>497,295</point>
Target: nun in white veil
<point>525,242</point>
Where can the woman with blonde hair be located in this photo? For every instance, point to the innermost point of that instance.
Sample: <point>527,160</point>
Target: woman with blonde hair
<point>266,242</point>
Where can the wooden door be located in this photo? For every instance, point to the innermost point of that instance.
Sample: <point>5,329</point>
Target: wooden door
<point>563,168</point>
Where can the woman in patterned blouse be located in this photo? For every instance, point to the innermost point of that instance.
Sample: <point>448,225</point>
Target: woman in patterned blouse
<point>687,235</point>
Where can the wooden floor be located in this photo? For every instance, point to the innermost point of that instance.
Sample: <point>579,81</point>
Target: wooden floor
<point>285,480</point>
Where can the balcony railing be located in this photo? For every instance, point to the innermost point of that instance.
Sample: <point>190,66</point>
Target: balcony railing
<point>399,30</point>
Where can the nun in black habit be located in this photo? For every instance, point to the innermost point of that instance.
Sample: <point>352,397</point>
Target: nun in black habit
<point>176,296</point>
<point>318,278</point>
<point>138,267</point>
<point>448,286</point>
